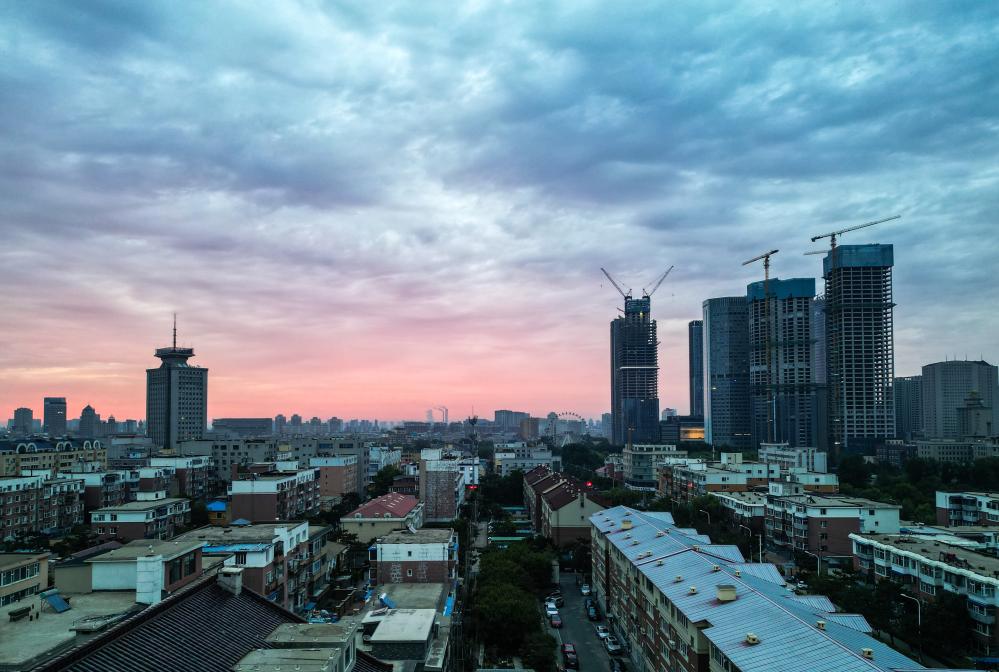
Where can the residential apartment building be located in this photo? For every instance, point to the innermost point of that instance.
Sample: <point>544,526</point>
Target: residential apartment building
<point>35,503</point>
<point>18,456</point>
<point>685,479</point>
<point>558,506</point>
<point>442,484</point>
<point>195,477</point>
<point>272,557</point>
<point>272,494</point>
<point>380,457</point>
<point>152,516</point>
<point>22,575</point>
<point>229,455</point>
<point>787,457</point>
<point>962,509</point>
<point>956,450</point>
<point>822,525</point>
<point>429,555</point>
<point>931,567</point>
<point>683,604</point>
<point>383,515</point>
<point>745,508</point>
<point>337,477</point>
<point>640,460</point>
<point>243,427</point>
<point>520,456</point>
<point>946,387</point>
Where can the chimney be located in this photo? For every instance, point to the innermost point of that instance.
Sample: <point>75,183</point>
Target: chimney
<point>148,579</point>
<point>230,579</point>
<point>725,592</point>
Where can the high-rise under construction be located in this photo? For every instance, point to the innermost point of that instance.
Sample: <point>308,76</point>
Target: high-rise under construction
<point>635,374</point>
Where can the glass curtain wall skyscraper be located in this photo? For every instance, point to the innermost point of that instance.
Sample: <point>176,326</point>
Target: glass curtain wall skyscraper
<point>634,374</point>
<point>726,372</point>
<point>695,345</point>
<point>54,416</point>
<point>782,401</point>
<point>860,345</point>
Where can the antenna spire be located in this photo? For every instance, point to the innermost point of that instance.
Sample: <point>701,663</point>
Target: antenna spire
<point>175,331</point>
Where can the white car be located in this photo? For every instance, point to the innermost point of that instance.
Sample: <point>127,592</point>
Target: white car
<point>603,632</point>
<point>585,590</point>
<point>612,645</point>
<point>550,609</point>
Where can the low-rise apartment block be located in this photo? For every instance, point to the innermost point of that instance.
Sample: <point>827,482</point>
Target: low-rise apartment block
<point>442,484</point>
<point>429,555</point>
<point>521,456</point>
<point>967,508</point>
<point>337,477</point>
<point>35,503</point>
<point>22,575</point>
<point>931,566</point>
<point>641,460</point>
<point>559,506</point>
<point>745,508</point>
<point>822,525</point>
<point>272,495</point>
<point>194,477</point>
<point>152,516</point>
<point>787,458</point>
<point>383,515</point>
<point>19,456</point>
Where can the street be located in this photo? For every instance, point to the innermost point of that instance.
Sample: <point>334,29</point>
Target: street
<point>579,630</point>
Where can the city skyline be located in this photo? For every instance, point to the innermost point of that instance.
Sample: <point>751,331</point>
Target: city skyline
<point>353,219</point>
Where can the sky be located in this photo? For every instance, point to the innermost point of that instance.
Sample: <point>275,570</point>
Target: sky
<point>370,209</point>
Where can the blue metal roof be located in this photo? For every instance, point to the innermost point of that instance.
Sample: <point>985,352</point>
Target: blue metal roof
<point>215,507</point>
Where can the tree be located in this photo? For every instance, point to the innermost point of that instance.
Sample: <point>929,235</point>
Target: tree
<point>383,480</point>
<point>538,652</point>
<point>623,497</point>
<point>505,614</point>
<point>853,471</point>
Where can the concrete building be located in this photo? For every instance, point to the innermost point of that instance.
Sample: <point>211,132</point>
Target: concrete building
<point>559,506</point>
<point>383,515</point>
<point>684,604</point>
<point>782,393</point>
<point>22,575</point>
<point>509,421</point>
<point>930,567</point>
<point>520,456</point>
<point>243,427</point>
<point>695,366</point>
<point>151,516</point>
<point>176,397</point>
<point>90,423</point>
<point>726,373</point>
<point>958,451</point>
<point>39,503</point>
<point>963,509</point>
<point>429,555</point>
<point>194,476</point>
<point>230,455</point>
<point>787,457</point>
<point>24,421</point>
<point>634,358</point>
<point>442,485</point>
<point>822,525</point>
<point>270,494</point>
<point>945,390</point>
<point>337,477</point>
<point>54,416</point>
<point>860,345</point>
<point>908,392</point>
<point>23,455</point>
<point>380,457</point>
<point>168,565</point>
<point>685,479</point>
<point>745,508</point>
<point>640,460</point>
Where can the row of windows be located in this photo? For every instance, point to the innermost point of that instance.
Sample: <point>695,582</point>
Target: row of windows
<point>19,574</point>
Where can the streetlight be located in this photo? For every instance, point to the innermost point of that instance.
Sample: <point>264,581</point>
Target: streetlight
<point>919,621</point>
<point>818,561</point>
<point>706,514</point>
<point>751,535</point>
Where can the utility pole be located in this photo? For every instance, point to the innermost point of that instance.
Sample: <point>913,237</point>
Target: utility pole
<point>919,622</point>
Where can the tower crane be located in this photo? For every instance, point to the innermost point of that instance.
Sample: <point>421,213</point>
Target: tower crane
<point>766,319</point>
<point>832,235</point>
<point>656,286</point>
<point>616,286</point>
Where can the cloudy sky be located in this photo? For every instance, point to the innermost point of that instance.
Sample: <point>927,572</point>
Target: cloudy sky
<point>367,209</point>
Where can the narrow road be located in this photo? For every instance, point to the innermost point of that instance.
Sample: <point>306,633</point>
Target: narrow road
<point>579,630</point>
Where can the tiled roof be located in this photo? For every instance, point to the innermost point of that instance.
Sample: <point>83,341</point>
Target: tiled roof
<point>395,504</point>
<point>536,474</point>
<point>203,628</point>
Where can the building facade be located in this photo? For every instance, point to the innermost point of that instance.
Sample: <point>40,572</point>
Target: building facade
<point>423,556</point>
<point>54,423</point>
<point>945,390</point>
<point>695,364</point>
<point>244,427</point>
<point>908,392</point>
<point>634,374</point>
<point>860,345</point>
<point>267,496</point>
<point>176,398</point>
<point>152,516</point>
<point>726,373</point>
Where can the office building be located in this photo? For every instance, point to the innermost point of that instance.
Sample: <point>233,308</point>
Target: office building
<point>908,392</point>
<point>54,416</point>
<point>243,427</point>
<point>782,399</point>
<point>24,421</point>
<point>860,345</point>
<point>176,397</point>
<point>90,422</point>
<point>726,372</point>
<point>509,421</point>
<point>695,363</point>
<point>945,390</point>
<point>279,424</point>
<point>635,374</point>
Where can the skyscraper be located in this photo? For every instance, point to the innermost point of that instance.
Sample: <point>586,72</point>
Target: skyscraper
<point>24,420</point>
<point>695,356</point>
<point>908,392</point>
<point>946,387</point>
<point>782,401</point>
<point>635,374</point>
<point>54,416</point>
<point>279,422</point>
<point>726,372</point>
<point>860,345</point>
<point>176,397</point>
<point>89,420</point>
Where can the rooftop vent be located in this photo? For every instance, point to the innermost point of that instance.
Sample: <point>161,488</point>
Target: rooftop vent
<point>692,590</point>
<point>867,653</point>
<point>752,639</point>
<point>696,547</point>
<point>635,542</point>
<point>678,579</point>
<point>660,534</point>
<point>821,625</point>
<point>627,536</point>
<point>659,563</point>
<point>725,592</point>
<point>738,573</point>
<point>626,524</point>
<point>715,568</point>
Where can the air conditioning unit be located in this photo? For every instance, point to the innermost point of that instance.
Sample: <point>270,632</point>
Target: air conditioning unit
<point>671,643</point>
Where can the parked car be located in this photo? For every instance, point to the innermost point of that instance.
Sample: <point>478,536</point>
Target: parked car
<point>585,590</point>
<point>569,656</point>
<point>612,645</point>
<point>603,632</point>
<point>557,599</point>
<point>592,613</point>
<point>550,609</point>
<point>617,665</point>
<point>556,621</point>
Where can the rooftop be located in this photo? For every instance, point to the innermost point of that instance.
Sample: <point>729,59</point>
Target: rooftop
<point>404,625</point>
<point>753,498</point>
<point>426,535</point>
<point>300,660</point>
<point>135,549</point>
<point>17,559</point>
<point>257,533</point>
<point>141,505</point>
<point>314,634</point>
<point>940,551</point>
<point>395,504</point>
<point>836,501</point>
<point>414,595</point>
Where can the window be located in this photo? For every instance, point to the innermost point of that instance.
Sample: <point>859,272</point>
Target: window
<point>409,572</point>
<point>240,557</point>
